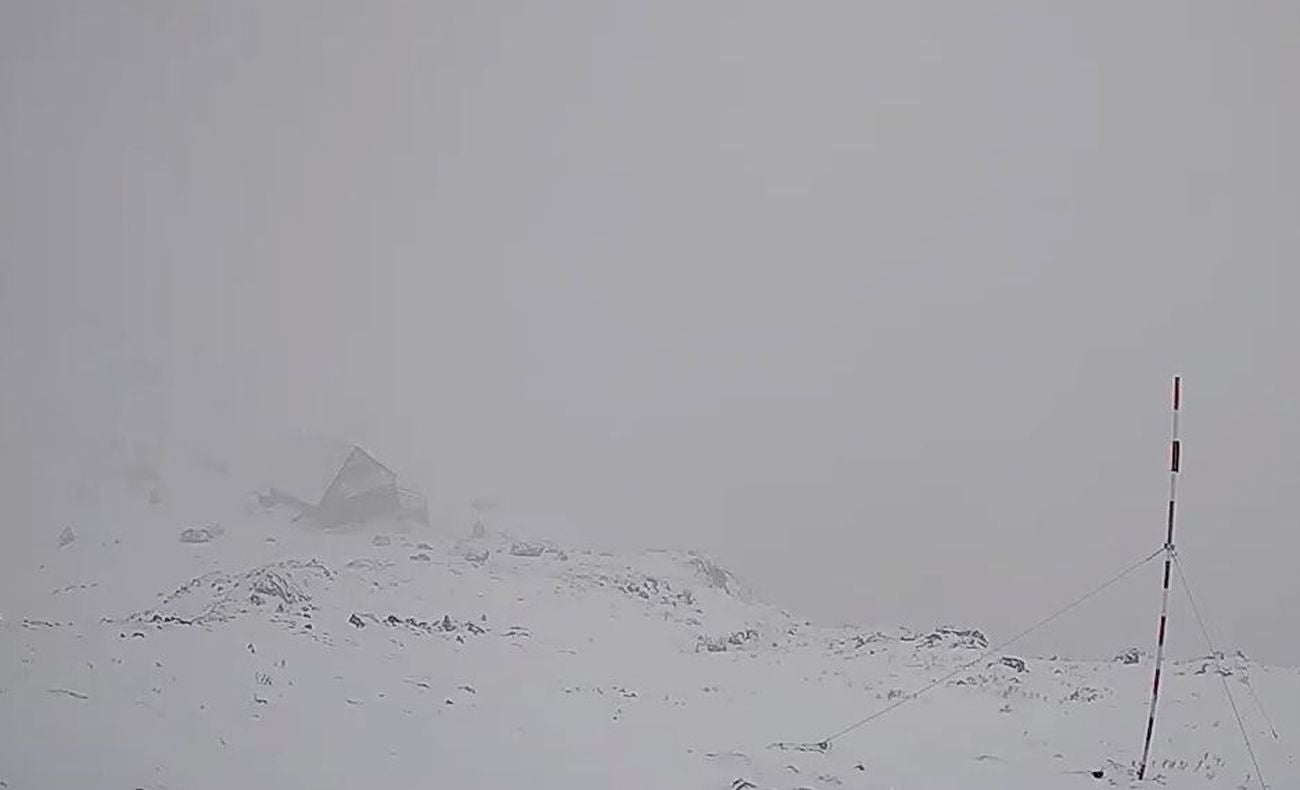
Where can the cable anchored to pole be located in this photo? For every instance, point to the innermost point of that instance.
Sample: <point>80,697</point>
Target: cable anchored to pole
<point>825,743</point>
<point>1214,653</point>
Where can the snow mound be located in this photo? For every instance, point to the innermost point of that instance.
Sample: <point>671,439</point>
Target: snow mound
<point>283,588</point>
<point>422,657</point>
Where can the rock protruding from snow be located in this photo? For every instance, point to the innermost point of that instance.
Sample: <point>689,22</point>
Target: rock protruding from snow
<point>947,636</point>
<point>67,537</point>
<point>1129,657</point>
<point>1085,694</point>
<point>736,640</point>
<point>652,589</point>
<point>445,625</point>
<point>200,535</point>
<point>1215,663</point>
<point>525,549</point>
<point>284,588</point>
<point>851,644</point>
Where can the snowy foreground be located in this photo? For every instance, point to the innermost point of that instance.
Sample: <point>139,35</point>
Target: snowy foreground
<point>274,656</point>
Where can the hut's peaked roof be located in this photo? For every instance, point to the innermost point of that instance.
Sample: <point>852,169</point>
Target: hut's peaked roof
<point>360,472</point>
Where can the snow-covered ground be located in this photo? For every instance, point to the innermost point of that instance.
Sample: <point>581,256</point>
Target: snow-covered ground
<point>277,655</point>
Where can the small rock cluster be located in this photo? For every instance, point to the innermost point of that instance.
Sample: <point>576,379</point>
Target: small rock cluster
<point>446,625</point>
<point>202,534</point>
<point>947,636</point>
<point>1129,657</point>
<point>722,644</point>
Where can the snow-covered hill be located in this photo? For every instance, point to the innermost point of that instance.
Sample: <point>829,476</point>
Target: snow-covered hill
<point>277,655</point>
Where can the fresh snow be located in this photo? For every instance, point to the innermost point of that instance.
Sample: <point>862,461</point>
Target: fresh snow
<point>277,655</point>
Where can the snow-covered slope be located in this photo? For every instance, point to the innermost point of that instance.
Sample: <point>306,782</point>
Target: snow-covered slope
<point>276,655</point>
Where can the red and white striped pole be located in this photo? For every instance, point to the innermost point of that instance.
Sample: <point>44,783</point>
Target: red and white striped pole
<point>1175,452</point>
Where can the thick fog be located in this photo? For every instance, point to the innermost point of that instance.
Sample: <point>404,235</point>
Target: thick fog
<point>877,303</point>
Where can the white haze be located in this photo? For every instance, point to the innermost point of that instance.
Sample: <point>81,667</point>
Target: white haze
<point>877,302</point>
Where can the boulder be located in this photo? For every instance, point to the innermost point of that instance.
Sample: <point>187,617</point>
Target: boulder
<point>525,549</point>
<point>201,535</point>
<point>1130,656</point>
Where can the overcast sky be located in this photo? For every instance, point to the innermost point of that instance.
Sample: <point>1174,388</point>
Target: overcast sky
<point>878,302</point>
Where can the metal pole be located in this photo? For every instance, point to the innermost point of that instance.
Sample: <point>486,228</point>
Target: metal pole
<point>1174,458</point>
